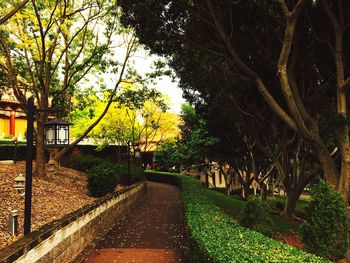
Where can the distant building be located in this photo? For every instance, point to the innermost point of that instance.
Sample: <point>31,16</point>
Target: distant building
<point>13,120</point>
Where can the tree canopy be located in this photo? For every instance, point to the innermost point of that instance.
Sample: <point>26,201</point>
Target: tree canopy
<point>287,57</point>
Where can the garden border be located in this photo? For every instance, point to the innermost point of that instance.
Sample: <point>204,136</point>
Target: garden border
<point>64,239</point>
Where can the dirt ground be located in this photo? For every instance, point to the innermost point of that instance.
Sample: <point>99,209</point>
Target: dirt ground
<point>52,198</point>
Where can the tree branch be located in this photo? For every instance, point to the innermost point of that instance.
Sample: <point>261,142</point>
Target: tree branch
<point>13,12</point>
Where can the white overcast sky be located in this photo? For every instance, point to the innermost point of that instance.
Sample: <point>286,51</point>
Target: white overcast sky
<point>165,85</point>
<point>142,61</point>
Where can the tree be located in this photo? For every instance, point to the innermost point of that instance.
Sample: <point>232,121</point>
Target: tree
<point>138,116</point>
<point>250,50</point>
<point>168,156</point>
<point>48,48</point>
<point>195,145</point>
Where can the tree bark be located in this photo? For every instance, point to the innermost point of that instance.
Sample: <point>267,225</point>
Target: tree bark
<point>291,203</point>
<point>245,190</point>
<point>326,162</point>
<point>40,160</point>
<point>263,191</point>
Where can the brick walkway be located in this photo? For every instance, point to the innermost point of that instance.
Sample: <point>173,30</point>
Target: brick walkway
<point>152,231</point>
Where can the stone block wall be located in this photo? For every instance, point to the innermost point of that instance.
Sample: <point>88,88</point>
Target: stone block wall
<point>64,239</point>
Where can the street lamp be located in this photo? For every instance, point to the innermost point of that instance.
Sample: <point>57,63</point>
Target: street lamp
<point>128,152</point>
<point>137,154</point>
<point>56,134</point>
<point>15,141</point>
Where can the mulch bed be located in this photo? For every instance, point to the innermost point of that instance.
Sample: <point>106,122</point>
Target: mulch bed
<point>292,239</point>
<point>52,198</point>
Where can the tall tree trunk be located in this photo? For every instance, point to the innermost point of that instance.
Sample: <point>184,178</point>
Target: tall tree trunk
<point>40,160</point>
<point>245,190</point>
<point>293,196</point>
<point>339,24</point>
<point>206,180</point>
<point>290,205</point>
<point>263,191</point>
<point>328,166</point>
<point>213,176</point>
<point>344,182</point>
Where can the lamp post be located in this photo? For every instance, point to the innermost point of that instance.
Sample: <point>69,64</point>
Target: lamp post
<point>15,141</point>
<point>56,134</point>
<point>128,152</point>
<point>29,167</point>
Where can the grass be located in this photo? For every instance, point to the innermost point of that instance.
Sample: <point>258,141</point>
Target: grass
<point>234,205</point>
<point>279,201</point>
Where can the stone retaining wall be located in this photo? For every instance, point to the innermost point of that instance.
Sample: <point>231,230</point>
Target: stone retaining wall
<point>64,239</point>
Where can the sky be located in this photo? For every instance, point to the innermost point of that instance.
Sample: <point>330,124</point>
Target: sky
<point>142,62</point>
<point>165,85</point>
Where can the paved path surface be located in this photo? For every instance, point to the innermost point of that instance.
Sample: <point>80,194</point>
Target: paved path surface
<point>152,231</point>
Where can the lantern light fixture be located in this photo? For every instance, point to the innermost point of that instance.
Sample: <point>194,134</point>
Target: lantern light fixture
<point>56,133</point>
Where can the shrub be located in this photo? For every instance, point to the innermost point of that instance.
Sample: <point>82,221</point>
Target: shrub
<point>136,173</point>
<point>256,216</point>
<point>168,156</point>
<point>215,237</point>
<point>102,179</point>
<point>83,162</point>
<point>326,231</point>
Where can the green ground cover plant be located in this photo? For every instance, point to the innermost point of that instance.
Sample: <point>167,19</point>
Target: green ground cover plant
<point>215,237</point>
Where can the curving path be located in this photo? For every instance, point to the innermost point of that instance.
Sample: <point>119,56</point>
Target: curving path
<point>153,231</point>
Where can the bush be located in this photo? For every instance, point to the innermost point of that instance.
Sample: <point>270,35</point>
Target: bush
<point>136,173</point>
<point>83,162</point>
<point>326,231</point>
<point>102,179</point>
<point>256,216</point>
<point>168,156</point>
<point>215,237</point>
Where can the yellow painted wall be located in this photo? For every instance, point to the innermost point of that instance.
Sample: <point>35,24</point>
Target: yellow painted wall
<point>20,127</point>
<point>4,126</point>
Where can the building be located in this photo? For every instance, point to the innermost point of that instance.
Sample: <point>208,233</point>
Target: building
<point>13,121</point>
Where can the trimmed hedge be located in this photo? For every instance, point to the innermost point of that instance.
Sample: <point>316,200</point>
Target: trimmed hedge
<point>215,237</point>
